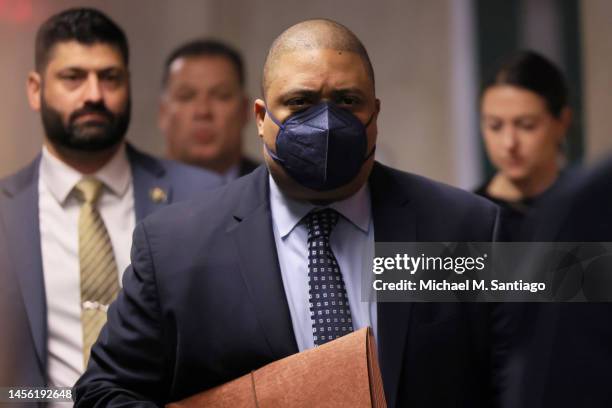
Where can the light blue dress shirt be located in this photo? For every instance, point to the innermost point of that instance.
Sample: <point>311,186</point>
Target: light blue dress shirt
<point>352,241</point>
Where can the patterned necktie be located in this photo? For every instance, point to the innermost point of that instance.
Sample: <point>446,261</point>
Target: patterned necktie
<point>329,305</point>
<point>99,279</point>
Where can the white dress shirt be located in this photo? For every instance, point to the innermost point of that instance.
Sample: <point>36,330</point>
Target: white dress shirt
<point>352,242</point>
<point>59,210</point>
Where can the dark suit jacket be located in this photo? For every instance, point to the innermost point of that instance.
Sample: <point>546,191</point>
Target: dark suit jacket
<point>25,281</point>
<point>566,348</point>
<point>247,165</point>
<point>9,322</point>
<point>203,301</point>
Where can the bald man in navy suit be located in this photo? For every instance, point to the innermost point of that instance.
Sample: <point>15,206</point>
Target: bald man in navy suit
<point>219,287</point>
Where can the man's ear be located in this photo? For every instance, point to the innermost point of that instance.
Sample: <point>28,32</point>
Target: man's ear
<point>259,109</point>
<point>34,90</point>
<point>377,107</point>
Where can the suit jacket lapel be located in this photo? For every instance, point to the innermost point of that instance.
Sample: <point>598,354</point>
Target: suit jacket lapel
<point>394,221</point>
<point>152,188</point>
<point>254,239</point>
<point>21,220</point>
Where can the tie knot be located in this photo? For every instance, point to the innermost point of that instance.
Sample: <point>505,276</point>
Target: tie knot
<point>321,222</point>
<point>89,190</point>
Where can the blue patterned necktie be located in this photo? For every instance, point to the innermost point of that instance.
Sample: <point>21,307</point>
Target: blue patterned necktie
<point>329,305</point>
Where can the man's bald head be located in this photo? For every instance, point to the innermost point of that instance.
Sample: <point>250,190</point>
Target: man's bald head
<point>312,35</point>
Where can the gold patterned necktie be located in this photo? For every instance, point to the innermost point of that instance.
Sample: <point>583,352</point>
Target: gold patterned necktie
<point>99,278</point>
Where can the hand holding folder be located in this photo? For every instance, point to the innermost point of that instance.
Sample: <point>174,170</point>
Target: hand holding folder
<point>341,373</point>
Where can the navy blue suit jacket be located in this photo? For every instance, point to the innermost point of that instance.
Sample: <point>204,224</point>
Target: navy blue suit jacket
<point>247,165</point>
<point>21,241</point>
<point>565,349</point>
<point>203,301</point>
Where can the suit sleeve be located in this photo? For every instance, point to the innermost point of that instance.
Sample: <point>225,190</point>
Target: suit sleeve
<point>127,363</point>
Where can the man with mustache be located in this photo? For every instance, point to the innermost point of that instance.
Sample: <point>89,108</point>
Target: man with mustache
<point>272,263</point>
<point>69,215</point>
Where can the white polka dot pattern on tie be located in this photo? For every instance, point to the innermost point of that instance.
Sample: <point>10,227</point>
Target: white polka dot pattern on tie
<point>329,306</point>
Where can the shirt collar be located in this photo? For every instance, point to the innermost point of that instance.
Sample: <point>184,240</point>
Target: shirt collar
<point>60,178</point>
<point>288,212</point>
<point>231,174</point>
<point>116,174</point>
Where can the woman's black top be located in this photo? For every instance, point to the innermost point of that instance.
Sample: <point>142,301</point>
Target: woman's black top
<point>514,213</point>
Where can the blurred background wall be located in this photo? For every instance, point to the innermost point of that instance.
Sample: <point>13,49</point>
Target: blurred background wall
<point>427,56</point>
<point>597,57</point>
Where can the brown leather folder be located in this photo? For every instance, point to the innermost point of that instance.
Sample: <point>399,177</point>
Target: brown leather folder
<point>341,373</point>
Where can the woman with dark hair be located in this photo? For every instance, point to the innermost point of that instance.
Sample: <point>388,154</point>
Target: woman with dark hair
<point>524,119</point>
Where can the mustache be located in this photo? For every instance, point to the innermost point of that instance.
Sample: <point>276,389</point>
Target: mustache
<point>89,108</point>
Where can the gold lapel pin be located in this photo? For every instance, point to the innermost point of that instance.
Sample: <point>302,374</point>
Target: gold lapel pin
<point>158,195</point>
